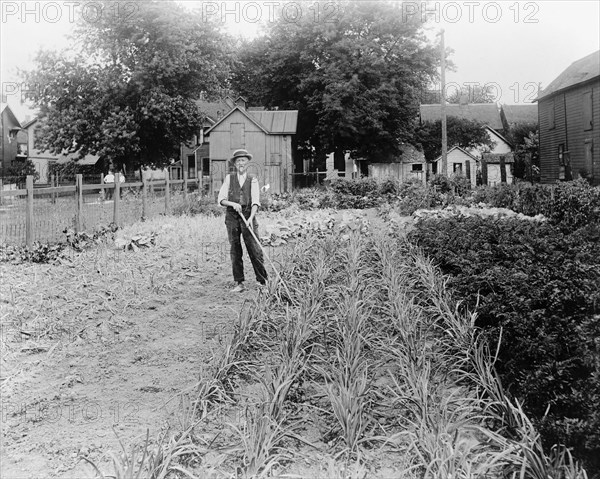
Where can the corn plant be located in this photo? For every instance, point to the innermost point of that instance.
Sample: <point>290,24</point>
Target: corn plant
<point>261,442</point>
<point>155,463</point>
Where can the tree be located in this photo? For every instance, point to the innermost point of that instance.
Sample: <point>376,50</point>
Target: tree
<point>355,80</point>
<point>125,91</point>
<point>461,132</point>
<point>526,141</point>
<point>20,169</point>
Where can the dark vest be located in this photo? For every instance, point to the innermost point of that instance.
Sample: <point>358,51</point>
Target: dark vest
<point>242,195</point>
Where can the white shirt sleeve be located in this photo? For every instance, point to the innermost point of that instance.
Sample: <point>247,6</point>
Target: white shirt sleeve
<point>224,191</point>
<point>255,192</point>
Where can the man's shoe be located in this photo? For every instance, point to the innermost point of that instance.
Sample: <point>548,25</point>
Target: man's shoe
<point>239,288</point>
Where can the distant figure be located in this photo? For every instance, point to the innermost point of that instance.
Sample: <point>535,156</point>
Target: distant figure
<point>109,179</point>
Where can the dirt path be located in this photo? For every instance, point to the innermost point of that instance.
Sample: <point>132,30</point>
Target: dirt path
<point>106,367</point>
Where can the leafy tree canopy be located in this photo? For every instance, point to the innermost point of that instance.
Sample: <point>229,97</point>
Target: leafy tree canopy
<point>461,132</point>
<point>526,141</point>
<point>125,90</point>
<point>355,79</point>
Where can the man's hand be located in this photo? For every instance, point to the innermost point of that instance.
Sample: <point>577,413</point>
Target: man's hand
<point>236,206</point>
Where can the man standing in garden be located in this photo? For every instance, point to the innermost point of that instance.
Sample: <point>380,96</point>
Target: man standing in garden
<point>240,193</point>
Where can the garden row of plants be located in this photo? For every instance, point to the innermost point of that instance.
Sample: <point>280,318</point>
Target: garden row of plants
<point>536,289</point>
<point>570,204</point>
<point>359,358</point>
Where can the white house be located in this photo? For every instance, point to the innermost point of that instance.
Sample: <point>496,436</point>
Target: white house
<point>493,161</point>
<point>459,162</point>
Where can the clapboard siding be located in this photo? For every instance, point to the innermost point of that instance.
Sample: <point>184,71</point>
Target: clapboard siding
<point>272,160</point>
<point>569,130</point>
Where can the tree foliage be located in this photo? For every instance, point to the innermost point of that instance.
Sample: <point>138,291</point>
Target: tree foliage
<point>355,79</point>
<point>461,132</point>
<point>125,90</point>
<point>526,141</point>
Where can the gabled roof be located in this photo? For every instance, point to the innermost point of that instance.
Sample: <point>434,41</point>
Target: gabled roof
<point>277,122</point>
<point>214,110</point>
<point>580,71</point>
<point>457,148</point>
<point>486,113</point>
<point>6,106</point>
<point>521,113</point>
<point>494,132</point>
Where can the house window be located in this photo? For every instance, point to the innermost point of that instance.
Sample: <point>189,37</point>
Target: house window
<point>551,114</point>
<point>206,166</point>
<point>236,131</point>
<point>191,166</point>
<point>457,168</point>
<point>417,167</point>
<point>588,122</point>
<point>561,154</point>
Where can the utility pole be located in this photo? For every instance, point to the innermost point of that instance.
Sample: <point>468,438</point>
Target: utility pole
<point>443,108</point>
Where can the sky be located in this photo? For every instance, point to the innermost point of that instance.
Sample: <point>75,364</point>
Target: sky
<point>511,46</point>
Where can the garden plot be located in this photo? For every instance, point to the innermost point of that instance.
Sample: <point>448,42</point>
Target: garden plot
<point>357,364</point>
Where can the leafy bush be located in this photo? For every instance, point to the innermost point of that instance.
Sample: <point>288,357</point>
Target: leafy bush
<point>50,253</point>
<point>20,169</point>
<point>535,286</point>
<point>355,187</point>
<point>570,205</point>
<point>197,204</point>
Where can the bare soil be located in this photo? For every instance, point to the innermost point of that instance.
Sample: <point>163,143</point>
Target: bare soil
<point>97,360</point>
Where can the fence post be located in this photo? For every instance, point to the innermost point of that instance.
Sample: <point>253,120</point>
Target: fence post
<point>102,190</point>
<point>185,186</point>
<point>29,211</point>
<point>167,194</point>
<point>79,200</point>
<point>1,188</point>
<point>144,197</point>
<point>52,185</point>
<point>117,199</point>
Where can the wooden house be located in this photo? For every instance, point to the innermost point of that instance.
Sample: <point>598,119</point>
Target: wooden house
<point>411,165</point>
<point>194,155</point>
<point>496,163</point>
<point>459,162</point>
<point>569,123</point>
<point>267,135</point>
<point>13,139</point>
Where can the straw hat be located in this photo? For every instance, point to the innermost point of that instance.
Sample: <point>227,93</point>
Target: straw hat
<point>239,154</point>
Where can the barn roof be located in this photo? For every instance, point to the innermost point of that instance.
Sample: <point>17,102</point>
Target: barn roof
<point>486,113</point>
<point>278,122</point>
<point>579,71</point>
<point>521,113</point>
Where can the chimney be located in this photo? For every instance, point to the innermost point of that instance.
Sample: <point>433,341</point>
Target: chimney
<point>241,102</point>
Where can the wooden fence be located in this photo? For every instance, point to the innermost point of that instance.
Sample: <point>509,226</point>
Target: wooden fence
<point>146,188</point>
